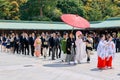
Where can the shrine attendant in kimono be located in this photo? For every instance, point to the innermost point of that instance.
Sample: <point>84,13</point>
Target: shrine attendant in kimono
<point>102,51</point>
<point>111,52</point>
<point>37,45</point>
<point>80,48</point>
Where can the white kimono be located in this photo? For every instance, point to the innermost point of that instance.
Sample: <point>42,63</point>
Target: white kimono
<point>111,50</point>
<point>80,50</point>
<point>102,49</point>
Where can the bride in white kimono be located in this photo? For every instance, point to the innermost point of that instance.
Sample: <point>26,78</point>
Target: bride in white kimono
<point>80,48</point>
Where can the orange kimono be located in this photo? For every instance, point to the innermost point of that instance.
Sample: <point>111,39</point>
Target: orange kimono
<point>37,45</point>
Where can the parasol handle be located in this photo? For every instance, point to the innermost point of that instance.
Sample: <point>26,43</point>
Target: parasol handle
<point>72,29</point>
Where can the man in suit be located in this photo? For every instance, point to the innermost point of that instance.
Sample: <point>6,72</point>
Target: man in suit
<point>50,43</point>
<point>55,46</point>
<point>42,35</point>
<point>26,44</point>
<point>31,40</point>
<point>16,43</point>
<point>59,45</point>
<point>118,44</point>
<point>22,42</point>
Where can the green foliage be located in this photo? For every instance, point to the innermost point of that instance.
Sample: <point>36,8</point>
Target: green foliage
<point>14,10</point>
<point>71,6</point>
<point>93,11</point>
<point>35,8</point>
<point>4,9</point>
<point>51,10</point>
<point>29,10</point>
<point>100,9</point>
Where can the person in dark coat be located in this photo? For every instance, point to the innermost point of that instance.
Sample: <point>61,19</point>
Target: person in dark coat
<point>118,44</point>
<point>31,41</point>
<point>59,45</point>
<point>50,41</point>
<point>54,45</point>
<point>70,46</point>
<point>26,44</point>
<point>22,42</point>
<point>96,41</point>
<point>115,40</point>
<point>12,36</point>
<point>42,35</point>
<point>4,38</point>
<point>16,44</point>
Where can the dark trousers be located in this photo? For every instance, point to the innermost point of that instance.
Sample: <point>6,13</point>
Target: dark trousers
<point>22,48</point>
<point>118,49</point>
<point>16,49</point>
<point>95,46</point>
<point>60,51</point>
<point>54,51</point>
<point>50,50</point>
<point>32,50</point>
<point>41,51</point>
<point>88,51</point>
<point>27,48</point>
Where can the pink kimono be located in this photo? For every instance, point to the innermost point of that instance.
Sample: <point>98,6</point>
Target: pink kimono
<point>37,45</point>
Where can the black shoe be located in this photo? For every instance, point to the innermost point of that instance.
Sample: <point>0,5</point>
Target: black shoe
<point>62,61</point>
<point>44,57</point>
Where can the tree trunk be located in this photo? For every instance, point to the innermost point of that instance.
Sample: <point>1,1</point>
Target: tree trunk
<point>41,12</point>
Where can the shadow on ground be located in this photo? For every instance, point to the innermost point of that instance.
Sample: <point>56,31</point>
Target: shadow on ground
<point>95,69</point>
<point>58,65</point>
<point>118,74</point>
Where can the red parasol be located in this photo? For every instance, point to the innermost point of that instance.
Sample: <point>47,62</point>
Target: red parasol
<point>75,21</point>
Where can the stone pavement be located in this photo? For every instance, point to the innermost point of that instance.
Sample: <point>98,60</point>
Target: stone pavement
<point>20,67</point>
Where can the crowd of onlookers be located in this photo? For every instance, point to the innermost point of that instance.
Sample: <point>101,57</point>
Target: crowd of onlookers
<point>51,44</point>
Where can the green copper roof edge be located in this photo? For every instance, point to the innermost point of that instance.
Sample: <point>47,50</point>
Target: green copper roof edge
<point>53,22</point>
<point>44,22</point>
